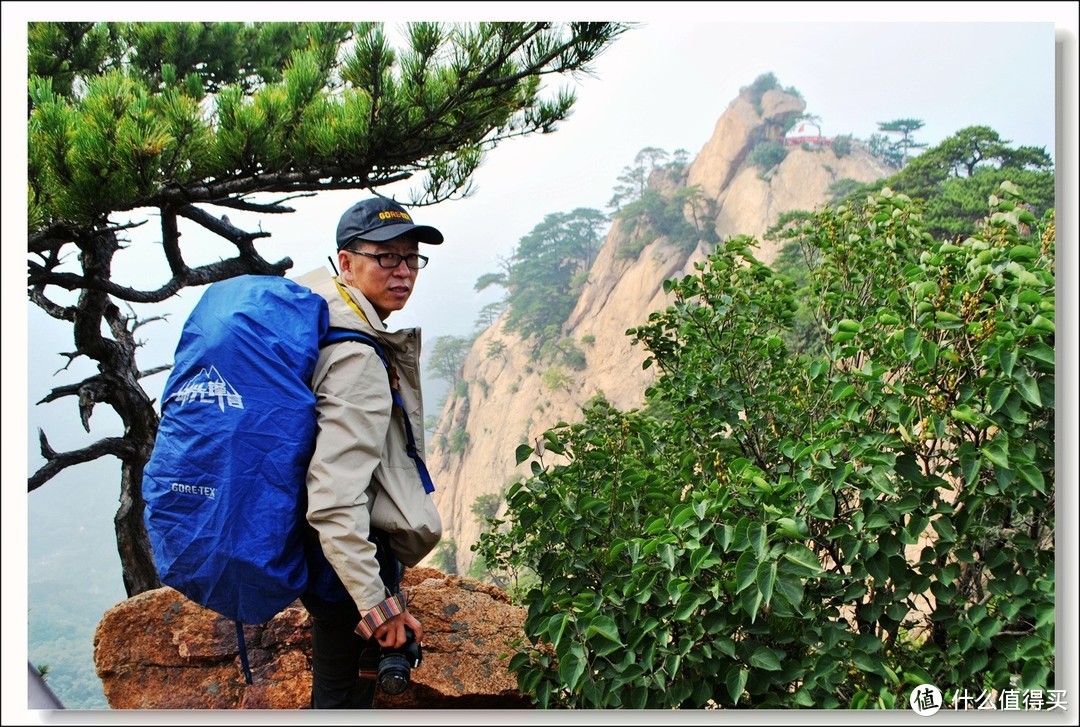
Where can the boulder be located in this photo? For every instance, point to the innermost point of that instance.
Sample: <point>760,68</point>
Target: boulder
<point>159,650</point>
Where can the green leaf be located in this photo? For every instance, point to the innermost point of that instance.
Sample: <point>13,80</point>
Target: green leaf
<point>555,627</point>
<point>996,395</point>
<point>603,626</point>
<point>912,343</point>
<point>866,662</point>
<point>790,528</point>
<point>702,693</point>
<point>842,390</point>
<point>739,540</point>
<point>745,571</point>
<point>970,463</point>
<point>667,555</point>
<point>1033,675</point>
<point>1033,476</point>
<point>965,414</point>
<point>789,587</point>
<point>881,482</point>
<point>1029,389</point>
<point>766,577</point>
<point>1007,359</point>
<point>765,658</point>
<point>571,668</point>
<point>877,566</point>
<point>837,476</point>
<point>591,693</point>
<point>699,557</point>
<point>803,558</point>
<point>725,646</point>
<point>824,508</point>
<point>681,515</point>
<point>945,530</point>
<point>997,452</point>
<point>656,525</point>
<point>529,683</point>
<point>1041,352</point>
<point>689,605</point>
<point>750,600</point>
<point>1023,253</point>
<point>1044,615</point>
<point>1040,326</point>
<point>756,535</point>
<point>736,683</point>
<point>947,320</point>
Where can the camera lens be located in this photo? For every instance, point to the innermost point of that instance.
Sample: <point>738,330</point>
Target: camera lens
<point>393,674</point>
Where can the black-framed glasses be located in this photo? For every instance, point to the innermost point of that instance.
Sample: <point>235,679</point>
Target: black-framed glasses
<point>391,260</point>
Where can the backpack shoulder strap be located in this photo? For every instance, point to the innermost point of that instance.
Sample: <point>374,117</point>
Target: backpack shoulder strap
<point>337,335</point>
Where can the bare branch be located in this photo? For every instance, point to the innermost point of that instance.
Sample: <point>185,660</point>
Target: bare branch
<point>70,356</point>
<point>57,462</point>
<point>143,321</point>
<point>203,275</point>
<point>154,370</point>
<point>55,236</point>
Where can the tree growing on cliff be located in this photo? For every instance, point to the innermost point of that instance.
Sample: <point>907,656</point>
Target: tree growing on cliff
<point>634,179</point>
<point>905,128</point>
<point>824,530</point>
<point>545,274</point>
<point>447,357</point>
<point>954,178</point>
<point>169,121</point>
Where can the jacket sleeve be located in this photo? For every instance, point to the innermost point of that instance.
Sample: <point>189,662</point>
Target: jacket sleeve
<point>354,406</point>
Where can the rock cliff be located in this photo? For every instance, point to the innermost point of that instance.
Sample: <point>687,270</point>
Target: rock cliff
<point>509,400</point>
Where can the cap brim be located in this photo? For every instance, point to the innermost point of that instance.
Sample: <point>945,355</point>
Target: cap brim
<point>422,233</point>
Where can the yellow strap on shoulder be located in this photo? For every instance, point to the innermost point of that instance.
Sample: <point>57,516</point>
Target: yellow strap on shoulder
<point>349,301</point>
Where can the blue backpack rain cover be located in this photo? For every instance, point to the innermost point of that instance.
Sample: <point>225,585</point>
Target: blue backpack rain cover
<point>225,486</point>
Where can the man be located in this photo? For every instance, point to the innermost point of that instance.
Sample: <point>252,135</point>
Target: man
<point>366,494</point>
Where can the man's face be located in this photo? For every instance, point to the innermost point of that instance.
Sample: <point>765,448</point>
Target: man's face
<point>388,289</point>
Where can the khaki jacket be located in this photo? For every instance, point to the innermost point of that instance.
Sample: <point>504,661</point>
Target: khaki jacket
<point>360,474</point>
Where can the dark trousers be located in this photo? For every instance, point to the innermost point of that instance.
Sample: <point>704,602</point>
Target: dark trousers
<point>336,648</point>
<point>335,656</point>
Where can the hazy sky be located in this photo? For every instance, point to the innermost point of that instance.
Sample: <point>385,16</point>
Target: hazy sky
<point>664,84</point>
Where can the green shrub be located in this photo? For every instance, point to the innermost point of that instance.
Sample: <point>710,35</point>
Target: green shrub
<point>554,377</point>
<point>828,530</point>
<point>459,440</point>
<point>767,154</point>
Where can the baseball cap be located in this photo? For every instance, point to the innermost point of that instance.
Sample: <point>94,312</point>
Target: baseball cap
<point>378,220</point>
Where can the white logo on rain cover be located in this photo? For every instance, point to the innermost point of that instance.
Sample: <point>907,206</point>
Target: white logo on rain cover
<point>208,387</point>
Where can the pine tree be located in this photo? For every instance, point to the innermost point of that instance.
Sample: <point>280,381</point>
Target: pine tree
<point>179,119</point>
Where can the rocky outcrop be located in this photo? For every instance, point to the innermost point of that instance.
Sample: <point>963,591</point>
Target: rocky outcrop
<point>513,397</point>
<point>158,650</point>
<point>742,125</point>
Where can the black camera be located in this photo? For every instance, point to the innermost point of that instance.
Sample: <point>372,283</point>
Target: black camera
<point>391,668</point>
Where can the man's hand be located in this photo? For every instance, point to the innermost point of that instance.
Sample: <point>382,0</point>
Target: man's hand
<point>391,634</point>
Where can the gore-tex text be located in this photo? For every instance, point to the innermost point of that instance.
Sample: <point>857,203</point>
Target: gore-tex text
<point>207,492</point>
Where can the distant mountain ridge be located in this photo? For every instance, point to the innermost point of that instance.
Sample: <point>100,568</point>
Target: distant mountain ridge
<point>508,403</point>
